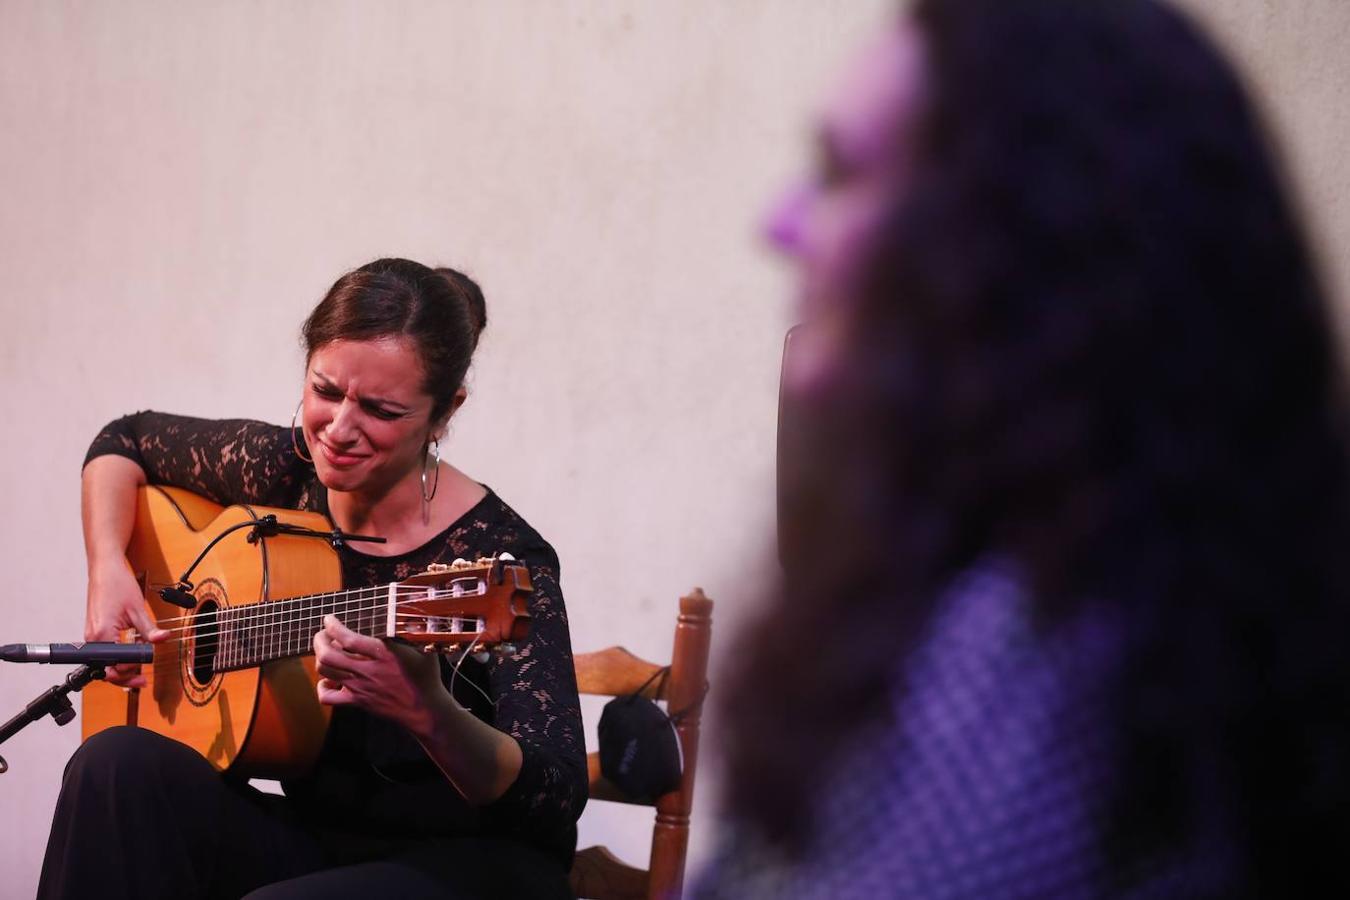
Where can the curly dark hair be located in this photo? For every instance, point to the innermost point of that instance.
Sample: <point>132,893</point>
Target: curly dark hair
<point>1091,336</point>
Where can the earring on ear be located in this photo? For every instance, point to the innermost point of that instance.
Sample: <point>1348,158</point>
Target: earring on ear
<point>295,445</point>
<point>435,455</point>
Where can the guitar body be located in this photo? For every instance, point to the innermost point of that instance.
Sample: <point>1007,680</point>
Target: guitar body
<point>260,721</point>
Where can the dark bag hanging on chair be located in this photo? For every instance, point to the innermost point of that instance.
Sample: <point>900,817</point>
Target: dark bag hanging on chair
<point>640,750</point>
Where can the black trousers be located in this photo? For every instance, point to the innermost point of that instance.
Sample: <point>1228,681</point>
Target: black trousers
<point>143,816</point>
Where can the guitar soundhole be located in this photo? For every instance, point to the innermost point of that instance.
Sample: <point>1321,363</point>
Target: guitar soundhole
<point>203,665</point>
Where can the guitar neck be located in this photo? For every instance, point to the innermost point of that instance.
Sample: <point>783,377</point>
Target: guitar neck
<point>247,636</point>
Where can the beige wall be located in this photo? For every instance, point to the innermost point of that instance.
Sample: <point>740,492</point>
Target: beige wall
<point>180,182</point>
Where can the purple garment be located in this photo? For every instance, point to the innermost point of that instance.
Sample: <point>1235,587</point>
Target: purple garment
<point>992,779</point>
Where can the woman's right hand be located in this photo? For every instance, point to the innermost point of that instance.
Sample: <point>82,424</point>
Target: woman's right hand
<point>116,604</point>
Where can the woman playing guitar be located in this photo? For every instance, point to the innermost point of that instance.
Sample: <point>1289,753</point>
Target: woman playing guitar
<point>430,783</point>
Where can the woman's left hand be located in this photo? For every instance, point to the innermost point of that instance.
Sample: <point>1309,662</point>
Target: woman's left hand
<point>383,678</point>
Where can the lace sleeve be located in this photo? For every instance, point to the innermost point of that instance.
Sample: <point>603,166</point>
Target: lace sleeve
<point>538,706</point>
<point>226,460</point>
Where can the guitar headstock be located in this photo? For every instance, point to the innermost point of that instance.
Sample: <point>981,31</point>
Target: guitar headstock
<point>482,603</point>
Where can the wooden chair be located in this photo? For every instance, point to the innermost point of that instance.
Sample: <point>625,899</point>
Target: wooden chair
<point>614,672</point>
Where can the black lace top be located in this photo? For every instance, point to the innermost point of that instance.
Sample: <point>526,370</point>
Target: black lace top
<point>371,770</point>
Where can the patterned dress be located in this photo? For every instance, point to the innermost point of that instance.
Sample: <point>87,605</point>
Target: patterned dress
<point>371,770</point>
<point>990,779</point>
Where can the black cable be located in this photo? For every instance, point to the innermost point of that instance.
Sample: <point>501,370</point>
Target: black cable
<point>268,526</point>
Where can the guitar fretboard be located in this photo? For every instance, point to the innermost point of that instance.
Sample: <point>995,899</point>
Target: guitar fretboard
<point>246,636</point>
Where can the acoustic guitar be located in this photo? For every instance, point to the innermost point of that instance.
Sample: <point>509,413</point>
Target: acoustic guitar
<point>233,681</point>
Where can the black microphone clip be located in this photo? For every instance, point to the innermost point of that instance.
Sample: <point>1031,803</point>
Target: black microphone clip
<point>178,595</point>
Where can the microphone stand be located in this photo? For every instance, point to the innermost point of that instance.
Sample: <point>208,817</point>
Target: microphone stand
<point>54,702</point>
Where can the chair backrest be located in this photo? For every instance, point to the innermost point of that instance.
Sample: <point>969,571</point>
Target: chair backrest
<point>597,873</point>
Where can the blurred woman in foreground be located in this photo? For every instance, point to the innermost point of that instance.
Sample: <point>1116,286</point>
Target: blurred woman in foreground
<point>1067,617</point>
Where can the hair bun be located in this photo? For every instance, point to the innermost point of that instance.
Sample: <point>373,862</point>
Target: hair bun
<point>471,294</point>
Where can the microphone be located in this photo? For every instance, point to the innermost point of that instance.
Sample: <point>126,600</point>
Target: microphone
<point>91,654</point>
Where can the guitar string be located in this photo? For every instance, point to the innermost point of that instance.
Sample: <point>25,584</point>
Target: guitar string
<point>259,655</point>
<point>454,672</point>
<point>292,636</point>
<point>278,610</point>
<point>338,596</point>
<point>299,631</point>
<point>243,656</point>
<point>273,617</point>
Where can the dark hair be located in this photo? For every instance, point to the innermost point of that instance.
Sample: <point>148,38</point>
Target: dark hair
<point>1091,335</point>
<point>441,310</point>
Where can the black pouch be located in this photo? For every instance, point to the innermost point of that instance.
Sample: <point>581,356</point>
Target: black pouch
<point>640,750</point>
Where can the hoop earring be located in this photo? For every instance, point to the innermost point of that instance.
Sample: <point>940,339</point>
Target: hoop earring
<point>295,445</point>
<point>436,464</point>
